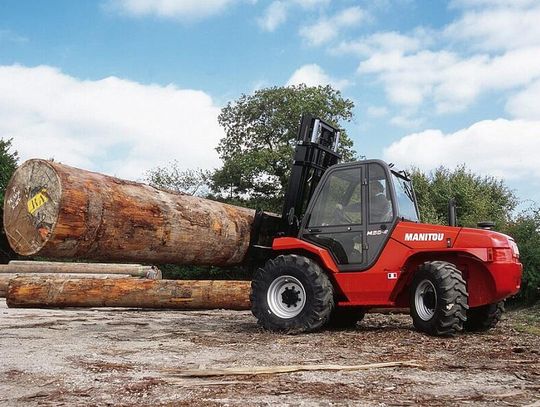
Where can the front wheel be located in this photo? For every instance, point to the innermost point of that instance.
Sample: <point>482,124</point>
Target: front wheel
<point>438,299</point>
<point>291,294</point>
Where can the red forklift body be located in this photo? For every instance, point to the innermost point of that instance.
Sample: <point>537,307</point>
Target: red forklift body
<point>489,262</point>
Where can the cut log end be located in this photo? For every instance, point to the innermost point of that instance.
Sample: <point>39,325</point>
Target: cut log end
<point>31,206</point>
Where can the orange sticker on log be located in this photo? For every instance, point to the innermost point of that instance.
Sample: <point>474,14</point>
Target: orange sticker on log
<point>37,201</point>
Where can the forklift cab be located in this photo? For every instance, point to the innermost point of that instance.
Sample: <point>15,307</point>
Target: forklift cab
<point>354,210</point>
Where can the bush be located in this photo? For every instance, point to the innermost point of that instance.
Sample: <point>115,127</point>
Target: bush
<point>525,229</point>
<point>175,272</point>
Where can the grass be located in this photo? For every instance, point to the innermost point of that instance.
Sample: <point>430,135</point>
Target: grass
<point>527,320</point>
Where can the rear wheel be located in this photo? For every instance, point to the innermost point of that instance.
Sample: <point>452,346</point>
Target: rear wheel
<point>291,294</point>
<point>438,299</point>
<point>343,318</point>
<point>484,317</point>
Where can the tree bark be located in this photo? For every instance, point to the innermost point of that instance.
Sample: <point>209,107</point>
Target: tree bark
<point>57,211</point>
<point>5,278</point>
<point>28,292</point>
<point>134,270</point>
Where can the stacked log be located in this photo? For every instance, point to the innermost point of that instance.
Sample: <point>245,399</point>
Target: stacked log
<point>56,211</point>
<point>56,270</point>
<point>5,278</point>
<point>134,270</point>
<point>32,292</point>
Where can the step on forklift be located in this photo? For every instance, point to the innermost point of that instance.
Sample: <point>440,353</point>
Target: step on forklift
<point>350,239</point>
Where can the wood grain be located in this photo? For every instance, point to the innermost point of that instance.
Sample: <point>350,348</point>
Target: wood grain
<point>32,292</point>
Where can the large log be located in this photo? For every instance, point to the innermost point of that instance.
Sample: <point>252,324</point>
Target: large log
<point>28,292</point>
<point>57,211</point>
<point>134,270</point>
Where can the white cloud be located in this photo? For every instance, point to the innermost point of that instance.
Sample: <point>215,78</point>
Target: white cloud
<point>274,15</point>
<point>506,27</point>
<point>383,42</point>
<point>493,45</point>
<point>450,81</point>
<point>525,104</point>
<point>377,111</point>
<point>326,29</point>
<point>176,9</point>
<point>502,148</point>
<point>277,12</point>
<point>111,125</point>
<point>314,75</point>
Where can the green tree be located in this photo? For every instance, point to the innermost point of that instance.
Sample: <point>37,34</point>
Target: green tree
<point>172,177</point>
<point>525,229</point>
<point>8,164</point>
<point>260,133</point>
<point>478,198</point>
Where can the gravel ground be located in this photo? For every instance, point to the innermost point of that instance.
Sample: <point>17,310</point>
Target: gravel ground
<point>126,357</point>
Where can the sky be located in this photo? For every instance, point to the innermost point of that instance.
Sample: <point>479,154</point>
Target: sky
<point>122,86</point>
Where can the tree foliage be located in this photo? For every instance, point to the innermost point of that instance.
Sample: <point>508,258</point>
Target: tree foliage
<point>8,164</point>
<point>260,133</point>
<point>478,198</point>
<point>525,229</point>
<point>173,178</point>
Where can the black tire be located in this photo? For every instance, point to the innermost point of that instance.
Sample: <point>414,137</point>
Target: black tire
<point>291,294</point>
<point>438,299</point>
<point>484,317</point>
<point>344,318</point>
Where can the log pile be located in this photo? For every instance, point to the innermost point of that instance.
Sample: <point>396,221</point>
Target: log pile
<point>56,211</point>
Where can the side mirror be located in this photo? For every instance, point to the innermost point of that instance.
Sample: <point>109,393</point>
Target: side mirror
<point>290,217</point>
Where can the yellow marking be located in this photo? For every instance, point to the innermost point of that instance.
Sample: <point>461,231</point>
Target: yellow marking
<point>37,201</point>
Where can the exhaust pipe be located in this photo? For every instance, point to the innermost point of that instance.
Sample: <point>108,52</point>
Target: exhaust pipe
<point>452,212</point>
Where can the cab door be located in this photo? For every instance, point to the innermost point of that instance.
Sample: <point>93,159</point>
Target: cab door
<point>335,218</point>
<point>381,210</point>
<point>352,214</point>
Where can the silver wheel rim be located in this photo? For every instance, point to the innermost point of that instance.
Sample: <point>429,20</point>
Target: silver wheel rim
<point>286,297</point>
<point>425,300</point>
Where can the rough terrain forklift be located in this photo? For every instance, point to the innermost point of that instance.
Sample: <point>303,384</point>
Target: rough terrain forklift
<point>350,239</point>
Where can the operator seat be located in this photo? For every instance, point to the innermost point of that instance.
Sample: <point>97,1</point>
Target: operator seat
<point>379,205</point>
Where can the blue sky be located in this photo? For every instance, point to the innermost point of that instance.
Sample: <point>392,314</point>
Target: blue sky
<point>120,86</point>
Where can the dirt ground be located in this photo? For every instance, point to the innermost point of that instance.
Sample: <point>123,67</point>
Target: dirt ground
<point>126,357</point>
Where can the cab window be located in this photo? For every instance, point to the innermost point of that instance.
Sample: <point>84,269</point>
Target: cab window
<point>340,200</point>
<point>380,203</point>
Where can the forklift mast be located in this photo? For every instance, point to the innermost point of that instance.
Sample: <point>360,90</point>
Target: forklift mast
<point>316,151</point>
